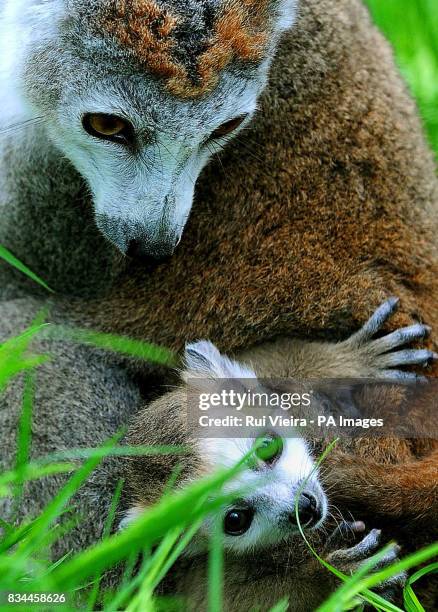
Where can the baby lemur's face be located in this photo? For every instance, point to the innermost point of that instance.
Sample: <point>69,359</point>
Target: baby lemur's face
<point>139,94</point>
<point>264,511</point>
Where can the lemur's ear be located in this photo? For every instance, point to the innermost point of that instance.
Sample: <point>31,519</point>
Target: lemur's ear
<point>203,360</point>
<point>286,12</point>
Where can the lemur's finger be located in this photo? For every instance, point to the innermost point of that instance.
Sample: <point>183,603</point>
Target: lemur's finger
<point>361,551</point>
<point>406,335</point>
<point>377,320</point>
<point>389,558</point>
<point>398,376</point>
<point>408,357</point>
<point>366,547</point>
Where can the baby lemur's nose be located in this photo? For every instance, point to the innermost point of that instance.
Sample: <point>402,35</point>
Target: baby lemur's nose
<point>309,511</point>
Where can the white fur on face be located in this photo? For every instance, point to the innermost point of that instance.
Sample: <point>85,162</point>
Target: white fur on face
<point>146,194</point>
<point>24,25</point>
<point>269,491</point>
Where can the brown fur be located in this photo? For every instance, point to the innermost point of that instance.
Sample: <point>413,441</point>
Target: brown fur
<point>149,33</point>
<point>324,208</point>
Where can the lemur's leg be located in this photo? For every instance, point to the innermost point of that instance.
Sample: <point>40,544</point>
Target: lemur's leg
<point>360,356</point>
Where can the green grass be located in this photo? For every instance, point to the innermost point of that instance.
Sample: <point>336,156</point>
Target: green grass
<point>412,28</point>
<point>162,534</point>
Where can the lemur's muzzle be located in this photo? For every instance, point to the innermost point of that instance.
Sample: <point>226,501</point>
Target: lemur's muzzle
<point>138,241</point>
<point>138,249</point>
<point>309,511</point>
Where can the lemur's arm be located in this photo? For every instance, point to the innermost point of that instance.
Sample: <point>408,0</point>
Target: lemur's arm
<point>360,356</point>
<point>387,480</point>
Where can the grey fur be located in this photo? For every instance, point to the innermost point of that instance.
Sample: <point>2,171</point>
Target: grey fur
<point>94,401</point>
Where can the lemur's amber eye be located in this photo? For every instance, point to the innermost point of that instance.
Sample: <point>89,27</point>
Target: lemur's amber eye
<point>227,128</point>
<point>269,448</point>
<point>108,127</point>
<point>237,521</point>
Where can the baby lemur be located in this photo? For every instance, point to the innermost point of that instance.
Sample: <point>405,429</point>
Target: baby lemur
<point>263,514</point>
<point>260,519</point>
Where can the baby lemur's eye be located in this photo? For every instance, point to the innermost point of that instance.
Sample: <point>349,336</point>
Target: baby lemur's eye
<point>269,448</point>
<point>108,127</point>
<point>238,520</point>
<point>227,128</point>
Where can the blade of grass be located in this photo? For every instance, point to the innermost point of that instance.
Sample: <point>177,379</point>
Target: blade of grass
<point>106,532</point>
<point>52,510</point>
<point>116,344</point>
<point>24,439</point>
<point>412,560</point>
<point>16,263</point>
<point>367,595</point>
<point>118,451</point>
<point>144,598</point>
<point>346,593</point>
<point>12,355</point>
<point>357,587</point>
<point>178,550</point>
<point>411,600</point>
<point>126,591</point>
<point>281,606</point>
<point>34,471</point>
<point>216,567</point>
<point>180,510</point>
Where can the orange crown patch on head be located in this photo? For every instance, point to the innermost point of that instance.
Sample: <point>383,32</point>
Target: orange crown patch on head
<point>159,38</point>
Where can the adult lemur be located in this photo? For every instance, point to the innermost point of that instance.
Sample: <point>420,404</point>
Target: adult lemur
<point>326,205</point>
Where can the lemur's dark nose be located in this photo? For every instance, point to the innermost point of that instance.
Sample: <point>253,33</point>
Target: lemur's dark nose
<point>135,250</point>
<point>309,511</point>
<point>139,251</point>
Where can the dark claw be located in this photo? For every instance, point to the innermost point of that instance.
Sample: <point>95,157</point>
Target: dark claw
<point>377,320</point>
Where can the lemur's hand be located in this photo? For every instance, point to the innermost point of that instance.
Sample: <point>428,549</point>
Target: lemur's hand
<point>350,560</point>
<point>378,355</point>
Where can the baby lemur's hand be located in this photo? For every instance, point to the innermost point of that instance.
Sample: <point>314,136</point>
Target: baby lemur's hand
<point>350,560</point>
<point>380,360</point>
